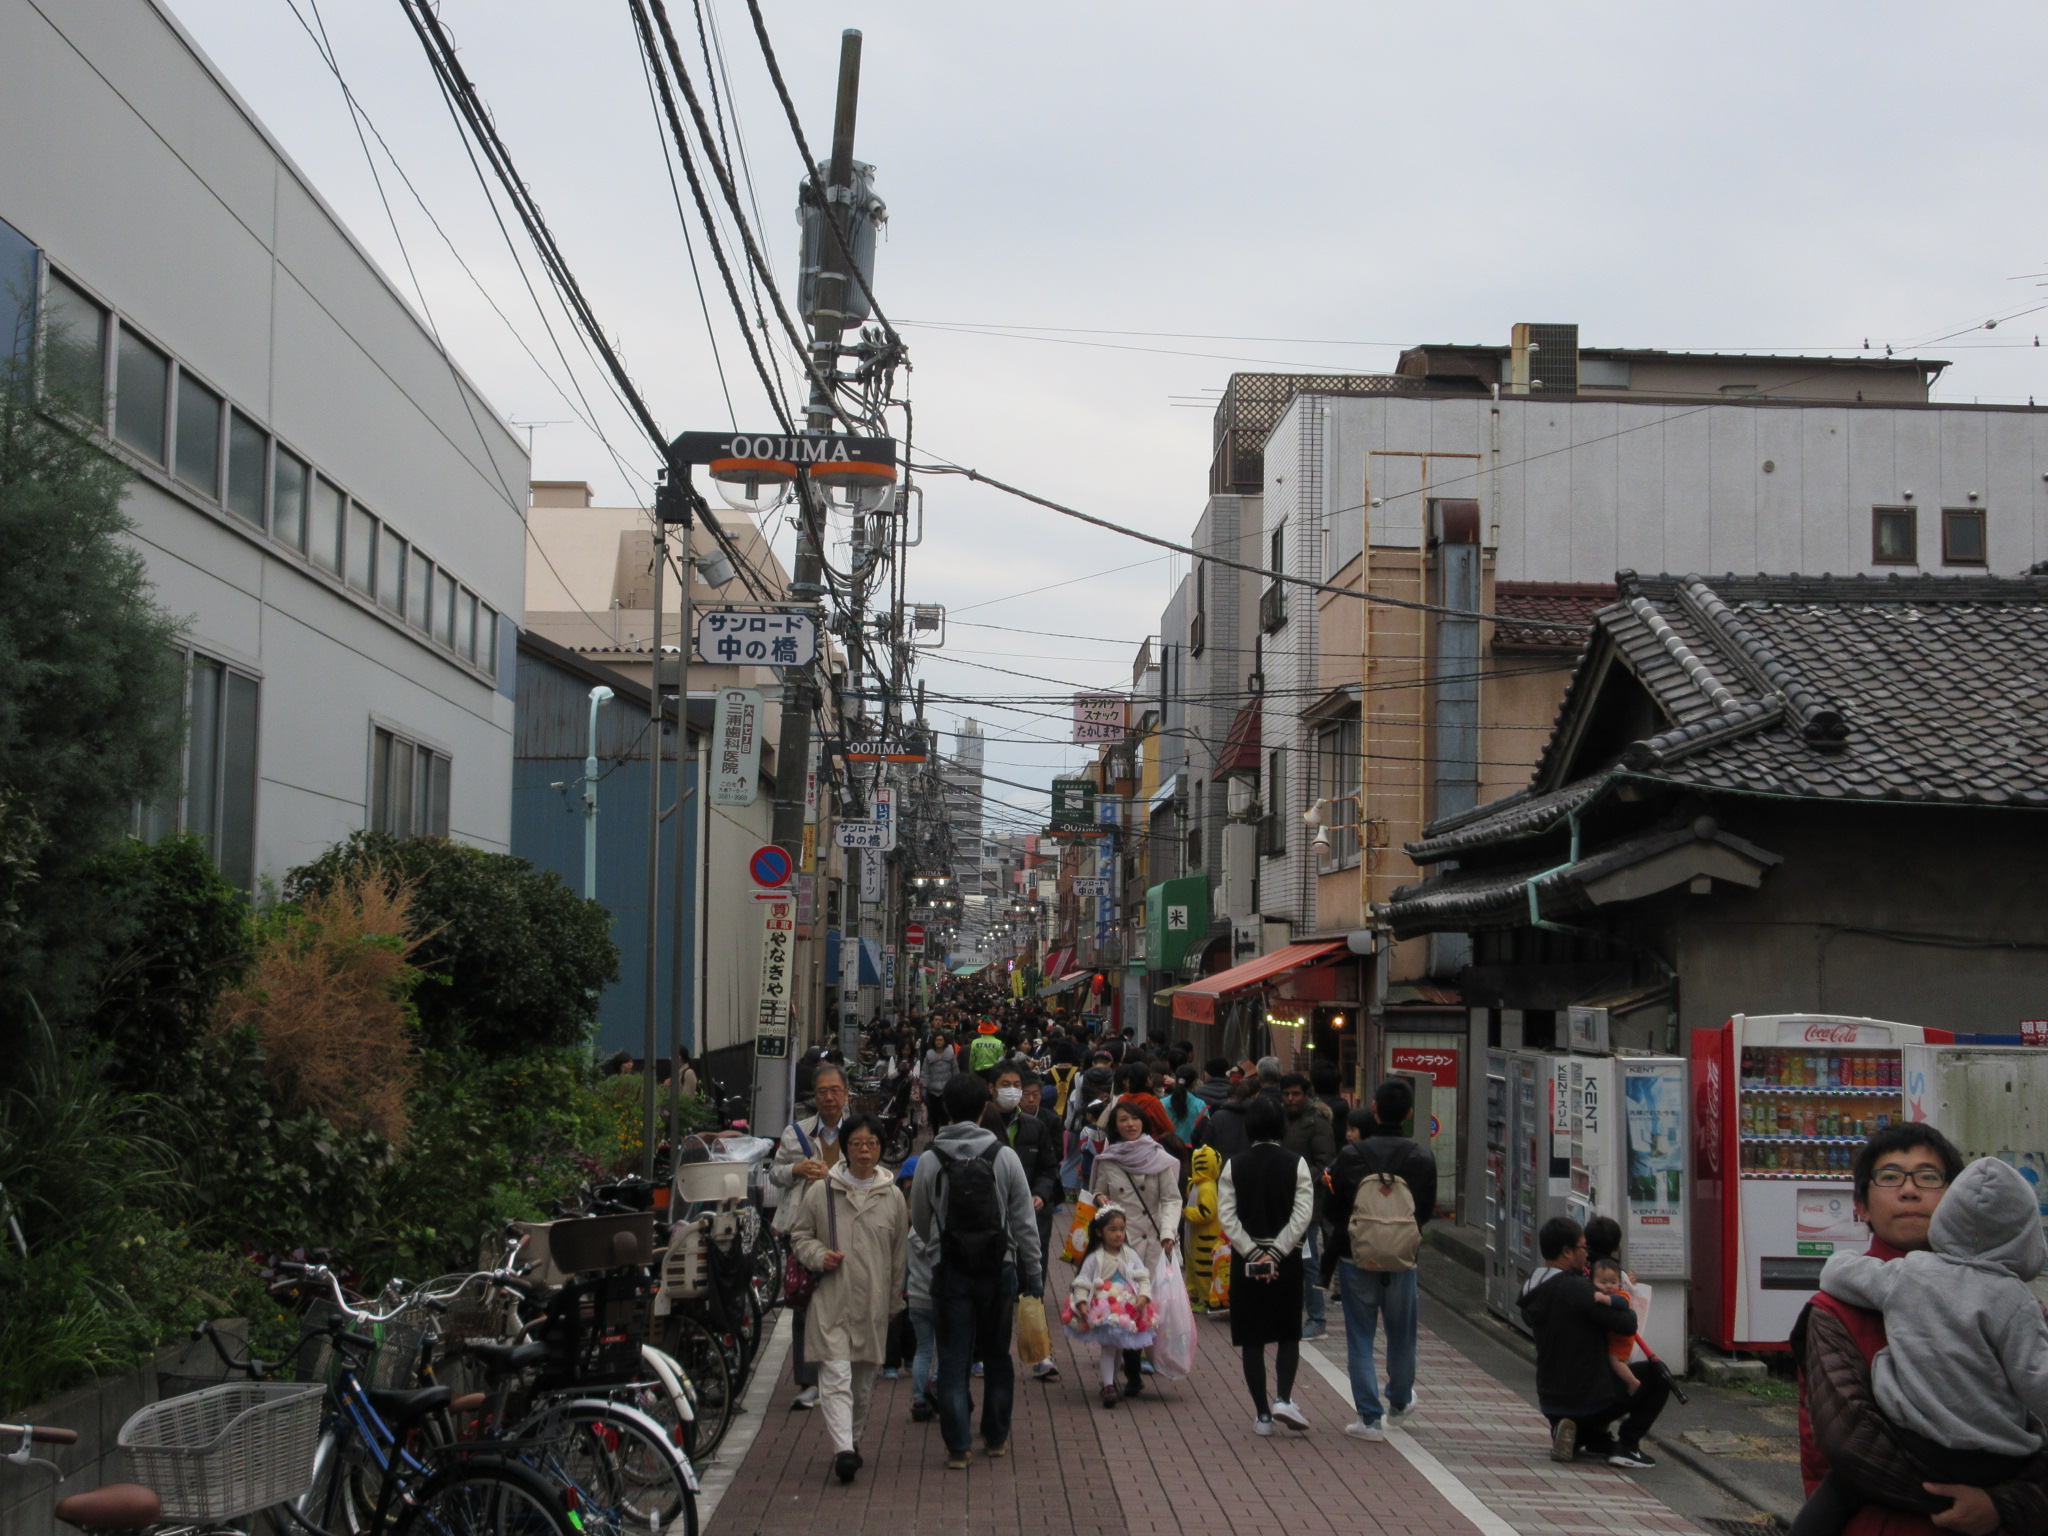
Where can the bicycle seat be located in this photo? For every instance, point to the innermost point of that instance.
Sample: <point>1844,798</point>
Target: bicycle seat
<point>501,1358</point>
<point>396,1407</point>
<point>116,1507</point>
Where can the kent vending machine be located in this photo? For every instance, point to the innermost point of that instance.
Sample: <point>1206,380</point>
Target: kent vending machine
<point>1781,1103</point>
<point>1628,1146</point>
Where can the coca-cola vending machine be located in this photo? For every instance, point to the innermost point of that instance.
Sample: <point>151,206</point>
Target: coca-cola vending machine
<point>1781,1103</point>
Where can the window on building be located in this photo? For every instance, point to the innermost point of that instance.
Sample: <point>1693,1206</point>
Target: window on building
<point>1894,536</point>
<point>1962,536</point>
<point>323,526</point>
<point>288,482</point>
<point>361,549</point>
<point>198,460</point>
<point>1198,625</point>
<point>465,627</point>
<point>215,797</point>
<point>444,609</point>
<point>1337,776</point>
<point>419,590</point>
<point>390,569</point>
<point>409,787</point>
<point>1194,848</point>
<point>248,467</point>
<point>487,640</point>
<point>1278,543</point>
<point>1278,802</point>
<point>75,331</point>
<point>142,387</point>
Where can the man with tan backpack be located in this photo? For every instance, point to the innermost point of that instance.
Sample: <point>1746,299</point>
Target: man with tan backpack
<point>1382,1189</point>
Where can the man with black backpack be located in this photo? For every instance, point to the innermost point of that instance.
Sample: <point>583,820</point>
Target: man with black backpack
<point>1382,1189</point>
<point>971,1205</point>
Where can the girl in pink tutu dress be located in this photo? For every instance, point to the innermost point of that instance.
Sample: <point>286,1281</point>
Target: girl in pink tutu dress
<point>1109,1304</point>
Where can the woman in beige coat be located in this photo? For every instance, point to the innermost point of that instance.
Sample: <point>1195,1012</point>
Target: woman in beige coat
<point>1136,1174</point>
<point>851,1230</point>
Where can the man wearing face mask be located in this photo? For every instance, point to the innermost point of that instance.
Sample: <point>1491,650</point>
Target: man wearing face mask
<point>1038,1150</point>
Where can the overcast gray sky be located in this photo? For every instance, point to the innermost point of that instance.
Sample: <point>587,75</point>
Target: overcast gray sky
<point>1732,177</point>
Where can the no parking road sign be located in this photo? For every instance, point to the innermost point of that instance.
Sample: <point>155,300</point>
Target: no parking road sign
<point>770,866</point>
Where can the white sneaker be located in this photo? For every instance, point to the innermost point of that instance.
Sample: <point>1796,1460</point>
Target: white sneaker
<point>808,1398</point>
<point>1396,1417</point>
<point>1360,1430</point>
<point>1291,1416</point>
<point>1263,1424</point>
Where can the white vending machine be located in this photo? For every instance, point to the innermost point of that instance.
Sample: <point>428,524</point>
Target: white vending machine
<point>1528,1166</point>
<point>1628,1150</point>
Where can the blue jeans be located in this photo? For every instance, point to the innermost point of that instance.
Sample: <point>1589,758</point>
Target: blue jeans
<point>972,1320</point>
<point>1312,1260</point>
<point>1367,1294</point>
<point>921,1362</point>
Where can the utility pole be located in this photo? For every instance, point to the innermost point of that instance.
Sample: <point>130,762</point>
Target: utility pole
<point>799,692</point>
<point>672,501</point>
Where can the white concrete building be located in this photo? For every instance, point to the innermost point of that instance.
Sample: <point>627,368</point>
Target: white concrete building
<point>334,510</point>
<point>1573,488</point>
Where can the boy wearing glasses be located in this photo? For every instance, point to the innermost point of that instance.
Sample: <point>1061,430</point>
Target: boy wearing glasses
<point>1966,1357</point>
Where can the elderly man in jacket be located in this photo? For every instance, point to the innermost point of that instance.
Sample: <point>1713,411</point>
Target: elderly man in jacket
<point>808,1151</point>
<point>1901,1174</point>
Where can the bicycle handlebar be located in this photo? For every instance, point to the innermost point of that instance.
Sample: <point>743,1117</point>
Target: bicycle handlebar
<point>253,1368</point>
<point>320,1274</point>
<point>44,1434</point>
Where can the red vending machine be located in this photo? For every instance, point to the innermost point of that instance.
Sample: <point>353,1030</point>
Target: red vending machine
<point>1781,1103</point>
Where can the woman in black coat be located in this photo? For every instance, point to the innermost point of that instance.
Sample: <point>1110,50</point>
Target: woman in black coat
<point>1265,1199</point>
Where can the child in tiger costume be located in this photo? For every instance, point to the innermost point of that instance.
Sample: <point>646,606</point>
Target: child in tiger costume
<point>1208,1255</point>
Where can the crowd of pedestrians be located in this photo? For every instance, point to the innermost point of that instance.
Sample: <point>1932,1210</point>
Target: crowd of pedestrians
<point>1082,1183</point>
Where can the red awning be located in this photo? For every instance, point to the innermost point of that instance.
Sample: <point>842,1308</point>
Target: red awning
<point>1196,1002</point>
<point>1055,964</point>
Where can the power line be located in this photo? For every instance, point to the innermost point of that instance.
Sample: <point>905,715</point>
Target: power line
<point>465,99</point>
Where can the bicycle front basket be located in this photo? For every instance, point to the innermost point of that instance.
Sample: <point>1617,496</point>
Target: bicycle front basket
<point>227,1451</point>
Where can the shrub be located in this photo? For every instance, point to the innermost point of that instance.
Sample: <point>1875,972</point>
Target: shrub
<point>111,1270</point>
<point>516,959</point>
<point>327,1001</point>
<point>193,939</point>
<point>90,684</point>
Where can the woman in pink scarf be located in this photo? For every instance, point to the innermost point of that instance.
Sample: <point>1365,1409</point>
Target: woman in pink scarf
<point>1137,1174</point>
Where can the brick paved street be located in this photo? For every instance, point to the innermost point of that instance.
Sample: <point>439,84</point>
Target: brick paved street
<point>1183,1458</point>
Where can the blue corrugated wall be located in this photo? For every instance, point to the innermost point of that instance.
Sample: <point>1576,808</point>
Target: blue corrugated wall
<point>547,827</point>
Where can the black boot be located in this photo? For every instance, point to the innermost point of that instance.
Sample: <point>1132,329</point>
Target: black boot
<point>845,1464</point>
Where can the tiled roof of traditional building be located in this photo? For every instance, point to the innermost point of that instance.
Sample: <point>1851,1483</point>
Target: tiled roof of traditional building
<point>1546,615</point>
<point>1921,689</point>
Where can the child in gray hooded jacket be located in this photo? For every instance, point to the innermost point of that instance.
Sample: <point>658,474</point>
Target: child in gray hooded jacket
<point>1965,1365</point>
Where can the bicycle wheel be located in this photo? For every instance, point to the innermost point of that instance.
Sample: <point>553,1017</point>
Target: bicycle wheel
<point>628,1476</point>
<point>343,1497</point>
<point>485,1498</point>
<point>697,1350</point>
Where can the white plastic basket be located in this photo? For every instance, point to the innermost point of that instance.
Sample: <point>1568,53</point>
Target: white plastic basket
<point>230,1450</point>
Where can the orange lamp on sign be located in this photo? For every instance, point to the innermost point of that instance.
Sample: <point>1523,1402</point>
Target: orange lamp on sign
<point>860,485</point>
<point>752,484</point>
